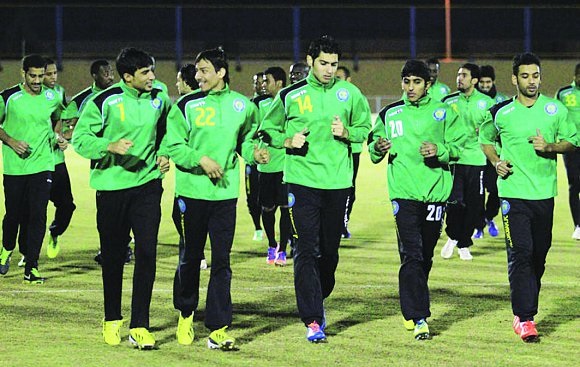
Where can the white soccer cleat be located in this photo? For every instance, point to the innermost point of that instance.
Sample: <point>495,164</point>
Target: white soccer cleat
<point>464,253</point>
<point>447,250</point>
<point>576,234</point>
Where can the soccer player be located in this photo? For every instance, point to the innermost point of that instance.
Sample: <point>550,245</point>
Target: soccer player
<point>343,73</point>
<point>27,113</point>
<point>207,129</point>
<point>273,192</point>
<point>297,72</point>
<point>121,130</point>
<point>570,97</point>
<point>252,181</point>
<point>437,90</point>
<point>422,135</point>
<point>487,86</point>
<point>316,120</point>
<point>533,129</point>
<point>465,205</point>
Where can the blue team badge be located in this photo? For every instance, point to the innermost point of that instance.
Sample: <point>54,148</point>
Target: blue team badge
<point>49,94</point>
<point>181,205</point>
<point>291,200</point>
<point>156,103</point>
<point>342,94</point>
<point>505,207</point>
<point>239,105</point>
<point>443,90</point>
<point>482,105</point>
<point>551,108</point>
<point>248,169</point>
<point>439,114</point>
<point>395,207</point>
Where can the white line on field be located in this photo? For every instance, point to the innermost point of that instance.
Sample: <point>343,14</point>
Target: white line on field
<point>278,288</point>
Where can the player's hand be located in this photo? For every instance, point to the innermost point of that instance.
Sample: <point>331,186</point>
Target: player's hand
<point>211,167</point>
<point>120,147</point>
<point>62,142</point>
<point>539,142</point>
<point>383,145</point>
<point>428,149</point>
<point>338,129</point>
<point>262,155</point>
<point>163,164</point>
<point>19,146</point>
<point>503,168</point>
<point>298,139</point>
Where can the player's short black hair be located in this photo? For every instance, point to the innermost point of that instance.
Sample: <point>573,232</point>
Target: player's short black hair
<point>473,70</point>
<point>432,60</point>
<point>487,71</point>
<point>416,68</point>
<point>188,75</point>
<point>130,60</point>
<point>97,64</point>
<point>33,61</point>
<point>325,44</point>
<point>217,57</point>
<point>526,58</point>
<point>577,70</point>
<point>277,73</point>
<point>48,61</point>
<point>345,70</point>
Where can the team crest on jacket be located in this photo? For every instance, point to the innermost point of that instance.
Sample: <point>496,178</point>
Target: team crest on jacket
<point>482,105</point>
<point>551,108</point>
<point>439,114</point>
<point>291,200</point>
<point>156,103</point>
<point>239,105</point>
<point>181,204</point>
<point>342,94</point>
<point>505,207</point>
<point>395,207</point>
<point>49,95</point>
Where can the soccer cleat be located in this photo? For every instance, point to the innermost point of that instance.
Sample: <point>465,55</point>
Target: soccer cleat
<point>280,259</point>
<point>421,331</point>
<point>409,324</point>
<point>478,234</point>
<point>141,338</point>
<point>185,330</point>
<point>22,262</point>
<point>492,228</point>
<point>33,277</point>
<point>258,235</point>
<point>129,255</point>
<point>314,333</point>
<point>464,253</point>
<point>203,264</point>
<point>53,247</point>
<point>98,257</point>
<point>447,250</point>
<point>219,339</point>
<point>576,234</point>
<point>271,257</point>
<point>526,330</point>
<point>4,260</point>
<point>345,233</point>
<point>112,331</point>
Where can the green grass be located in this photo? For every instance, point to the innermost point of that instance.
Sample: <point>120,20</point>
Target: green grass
<point>59,323</point>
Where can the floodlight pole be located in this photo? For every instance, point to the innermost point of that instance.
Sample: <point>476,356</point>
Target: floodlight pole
<point>448,54</point>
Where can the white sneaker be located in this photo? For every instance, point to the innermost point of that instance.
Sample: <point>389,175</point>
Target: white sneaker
<point>464,253</point>
<point>447,250</point>
<point>22,262</point>
<point>576,234</point>
<point>203,264</point>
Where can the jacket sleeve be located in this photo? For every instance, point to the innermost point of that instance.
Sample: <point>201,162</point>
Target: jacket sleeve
<point>488,131</point>
<point>454,139</point>
<point>177,139</point>
<point>247,135</point>
<point>88,140</point>
<point>360,124</point>
<point>162,127</point>
<point>377,132</point>
<point>274,123</point>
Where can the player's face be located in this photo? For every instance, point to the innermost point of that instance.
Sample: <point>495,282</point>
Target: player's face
<point>182,87</point>
<point>485,83</point>
<point>528,80</point>
<point>324,66</point>
<point>433,72</point>
<point>464,80</point>
<point>414,87</point>
<point>297,73</point>
<point>271,85</point>
<point>259,82</point>
<point>340,74</point>
<point>142,80</point>
<point>105,77</point>
<point>207,77</point>
<point>50,75</point>
<point>33,80</point>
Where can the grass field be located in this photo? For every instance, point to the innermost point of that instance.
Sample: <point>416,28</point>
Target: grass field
<point>59,323</point>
